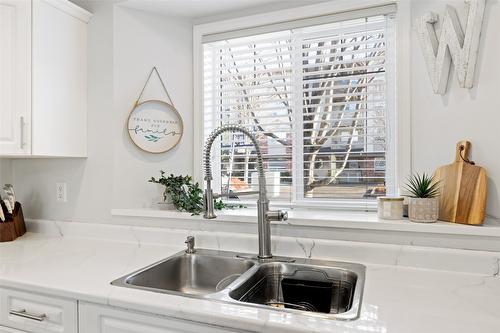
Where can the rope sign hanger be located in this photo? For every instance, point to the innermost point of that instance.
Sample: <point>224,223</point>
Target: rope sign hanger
<point>155,126</point>
<point>154,70</point>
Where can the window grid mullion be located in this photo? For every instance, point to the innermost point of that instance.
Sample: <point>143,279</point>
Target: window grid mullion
<point>297,125</point>
<point>217,158</point>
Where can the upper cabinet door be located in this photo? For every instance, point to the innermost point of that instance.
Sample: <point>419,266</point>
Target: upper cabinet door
<point>15,77</point>
<point>59,79</point>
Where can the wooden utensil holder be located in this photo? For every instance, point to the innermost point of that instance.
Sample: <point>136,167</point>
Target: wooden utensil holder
<point>14,225</point>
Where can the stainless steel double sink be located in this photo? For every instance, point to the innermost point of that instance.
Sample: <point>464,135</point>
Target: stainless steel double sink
<point>314,287</point>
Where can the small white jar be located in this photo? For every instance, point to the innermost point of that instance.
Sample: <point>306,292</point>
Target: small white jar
<point>390,208</point>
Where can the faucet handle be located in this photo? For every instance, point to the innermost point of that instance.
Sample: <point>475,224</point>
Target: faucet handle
<point>277,215</point>
<point>208,204</point>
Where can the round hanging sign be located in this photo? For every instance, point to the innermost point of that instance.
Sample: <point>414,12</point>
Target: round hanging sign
<point>155,126</point>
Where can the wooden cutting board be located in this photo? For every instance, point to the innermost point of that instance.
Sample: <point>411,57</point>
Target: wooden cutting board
<point>463,189</point>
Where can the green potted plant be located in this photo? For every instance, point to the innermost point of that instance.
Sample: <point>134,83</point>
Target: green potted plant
<point>423,204</point>
<point>181,193</point>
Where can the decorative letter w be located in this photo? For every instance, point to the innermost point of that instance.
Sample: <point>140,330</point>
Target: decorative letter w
<point>453,45</point>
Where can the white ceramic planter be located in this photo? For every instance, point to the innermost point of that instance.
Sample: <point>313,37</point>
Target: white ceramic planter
<point>423,210</point>
<point>167,204</point>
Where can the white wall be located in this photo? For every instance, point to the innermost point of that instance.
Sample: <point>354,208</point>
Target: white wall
<point>123,47</point>
<point>439,122</point>
<point>143,40</point>
<point>5,171</point>
<point>125,44</point>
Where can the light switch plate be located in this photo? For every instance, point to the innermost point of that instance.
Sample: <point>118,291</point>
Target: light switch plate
<point>61,192</point>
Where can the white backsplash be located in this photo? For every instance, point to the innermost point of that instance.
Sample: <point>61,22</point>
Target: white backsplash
<point>454,260</point>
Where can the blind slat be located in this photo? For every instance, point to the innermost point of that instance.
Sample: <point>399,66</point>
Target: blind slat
<point>339,153</point>
<point>262,113</point>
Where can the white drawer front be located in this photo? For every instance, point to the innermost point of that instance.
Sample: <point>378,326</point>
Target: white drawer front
<point>9,330</point>
<point>37,313</point>
<point>102,319</point>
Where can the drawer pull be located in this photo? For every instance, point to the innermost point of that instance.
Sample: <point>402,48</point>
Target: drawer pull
<point>24,314</point>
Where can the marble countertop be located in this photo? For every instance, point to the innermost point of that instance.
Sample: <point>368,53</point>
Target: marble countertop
<point>69,262</point>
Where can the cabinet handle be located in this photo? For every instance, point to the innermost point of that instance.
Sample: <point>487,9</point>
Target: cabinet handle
<point>23,127</point>
<point>24,314</point>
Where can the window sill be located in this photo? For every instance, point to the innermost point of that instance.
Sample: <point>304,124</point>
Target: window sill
<point>325,219</point>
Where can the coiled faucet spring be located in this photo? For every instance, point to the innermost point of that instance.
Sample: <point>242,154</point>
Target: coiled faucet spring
<point>264,215</point>
<point>230,128</point>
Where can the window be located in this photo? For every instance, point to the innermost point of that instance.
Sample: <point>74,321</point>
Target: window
<point>319,99</point>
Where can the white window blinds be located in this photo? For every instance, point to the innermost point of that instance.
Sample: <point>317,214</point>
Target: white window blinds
<point>317,97</point>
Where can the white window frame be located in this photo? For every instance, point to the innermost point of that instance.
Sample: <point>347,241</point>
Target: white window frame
<point>401,119</point>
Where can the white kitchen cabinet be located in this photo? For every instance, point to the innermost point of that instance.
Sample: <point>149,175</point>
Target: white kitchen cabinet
<point>103,319</point>
<point>37,313</point>
<point>43,78</point>
<point>15,76</point>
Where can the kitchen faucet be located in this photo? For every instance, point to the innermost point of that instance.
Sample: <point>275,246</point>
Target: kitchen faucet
<point>264,215</point>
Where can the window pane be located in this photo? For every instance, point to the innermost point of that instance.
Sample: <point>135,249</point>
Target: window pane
<point>344,113</point>
<point>316,99</point>
<point>250,81</point>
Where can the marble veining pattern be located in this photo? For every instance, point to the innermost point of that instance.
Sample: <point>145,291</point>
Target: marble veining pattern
<point>407,289</point>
